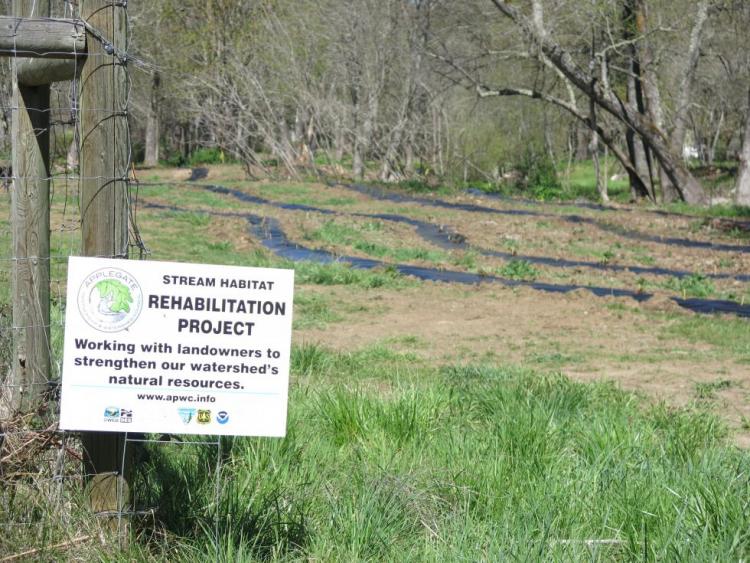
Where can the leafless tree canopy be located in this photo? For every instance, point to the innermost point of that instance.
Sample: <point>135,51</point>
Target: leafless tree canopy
<point>398,89</point>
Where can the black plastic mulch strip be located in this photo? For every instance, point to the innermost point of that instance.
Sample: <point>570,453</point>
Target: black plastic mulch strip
<point>198,174</point>
<point>740,224</point>
<point>428,231</point>
<point>449,239</point>
<point>576,219</point>
<point>272,236</point>
<point>527,201</point>
<point>580,204</point>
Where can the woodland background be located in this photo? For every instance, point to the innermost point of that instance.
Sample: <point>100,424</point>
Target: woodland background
<point>436,91</point>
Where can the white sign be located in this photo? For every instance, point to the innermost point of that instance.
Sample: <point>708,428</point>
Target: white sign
<point>176,348</point>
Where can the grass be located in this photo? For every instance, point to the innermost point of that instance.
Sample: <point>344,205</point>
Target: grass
<point>389,459</point>
<point>194,219</point>
<point>303,194</point>
<point>519,270</point>
<point>642,256</point>
<point>313,311</point>
<point>368,238</point>
<point>421,186</point>
<point>577,182</point>
<point>553,360</point>
<point>697,286</point>
<point>730,337</point>
<point>708,390</point>
<point>466,259</point>
<point>694,285</point>
<point>581,182</point>
<point>188,237</point>
<point>338,273</point>
<point>336,233</point>
<point>185,196</point>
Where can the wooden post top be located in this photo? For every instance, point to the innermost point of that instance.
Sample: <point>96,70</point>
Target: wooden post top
<point>49,38</point>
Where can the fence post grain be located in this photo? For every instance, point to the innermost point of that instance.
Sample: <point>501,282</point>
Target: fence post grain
<point>30,235</point>
<point>104,191</point>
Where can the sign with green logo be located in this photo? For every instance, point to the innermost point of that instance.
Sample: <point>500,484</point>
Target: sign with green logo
<point>176,348</point>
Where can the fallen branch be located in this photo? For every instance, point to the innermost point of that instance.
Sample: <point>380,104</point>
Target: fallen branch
<point>590,543</point>
<point>35,551</point>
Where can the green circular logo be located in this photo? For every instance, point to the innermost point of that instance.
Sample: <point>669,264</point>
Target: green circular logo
<point>110,300</point>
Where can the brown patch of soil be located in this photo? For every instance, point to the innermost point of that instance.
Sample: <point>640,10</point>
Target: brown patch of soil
<point>232,229</point>
<point>598,339</point>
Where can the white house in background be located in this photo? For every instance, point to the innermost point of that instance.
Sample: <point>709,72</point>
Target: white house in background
<point>690,151</point>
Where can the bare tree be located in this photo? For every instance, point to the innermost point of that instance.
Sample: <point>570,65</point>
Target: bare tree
<point>737,65</point>
<point>273,83</point>
<point>4,93</point>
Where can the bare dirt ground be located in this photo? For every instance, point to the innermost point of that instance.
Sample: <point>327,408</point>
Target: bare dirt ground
<point>651,348</point>
<point>583,337</point>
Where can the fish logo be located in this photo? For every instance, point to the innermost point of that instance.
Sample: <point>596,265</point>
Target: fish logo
<point>186,415</point>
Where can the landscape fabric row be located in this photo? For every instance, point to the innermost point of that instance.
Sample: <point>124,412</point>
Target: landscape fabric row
<point>269,231</point>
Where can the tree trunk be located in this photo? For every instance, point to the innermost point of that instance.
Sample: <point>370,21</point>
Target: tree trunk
<point>358,166</point>
<point>184,142</point>
<point>682,110</point>
<point>601,181</point>
<point>742,189</point>
<point>583,135</point>
<point>339,142</point>
<point>715,140</point>
<point>601,185</point>
<point>387,168</point>
<point>151,157</point>
<point>409,167</point>
<point>302,135</point>
<point>690,190</point>
<point>639,184</point>
<point>652,94</point>
<point>639,152</point>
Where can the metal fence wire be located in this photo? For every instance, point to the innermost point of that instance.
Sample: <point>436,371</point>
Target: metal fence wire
<point>43,506</point>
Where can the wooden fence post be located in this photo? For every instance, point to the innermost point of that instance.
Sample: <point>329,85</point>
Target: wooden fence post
<point>31,232</point>
<point>103,170</point>
<point>104,197</point>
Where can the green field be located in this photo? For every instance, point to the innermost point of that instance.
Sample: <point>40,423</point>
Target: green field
<point>391,459</point>
<point>395,452</point>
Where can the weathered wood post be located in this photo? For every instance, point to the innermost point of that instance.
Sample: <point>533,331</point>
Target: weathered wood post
<point>31,232</point>
<point>53,50</point>
<point>43,50</point>
<point>104,199</point>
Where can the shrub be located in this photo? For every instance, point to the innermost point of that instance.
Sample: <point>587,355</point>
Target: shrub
<point>519,270</point>
<point>208,155</point>
<point>538,176</point>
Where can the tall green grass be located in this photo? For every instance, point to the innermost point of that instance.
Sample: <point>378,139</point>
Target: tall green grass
<point>389,459</point>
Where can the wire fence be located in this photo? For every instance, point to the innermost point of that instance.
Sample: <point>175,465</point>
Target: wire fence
<point>42,475</point>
